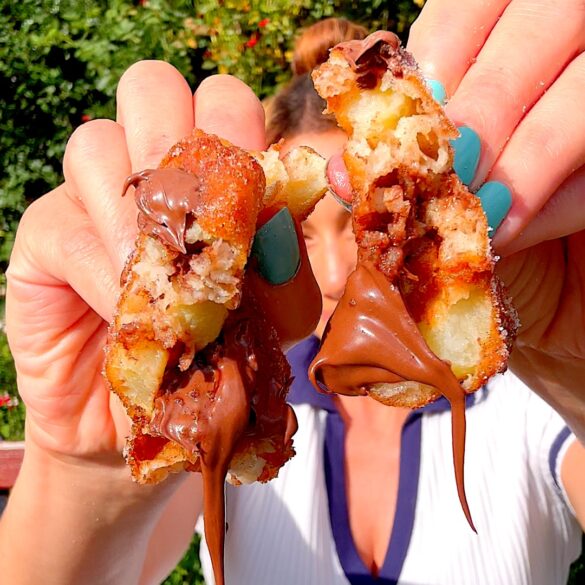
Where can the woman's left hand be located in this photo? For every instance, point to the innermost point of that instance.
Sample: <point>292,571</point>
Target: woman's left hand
<point>515,74</point>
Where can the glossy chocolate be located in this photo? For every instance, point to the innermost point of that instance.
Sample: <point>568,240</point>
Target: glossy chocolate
<point>293,308</point>
<point>371,338</point>
<point>165,197</point>
<point>233,394</point>
<point>371,57</point>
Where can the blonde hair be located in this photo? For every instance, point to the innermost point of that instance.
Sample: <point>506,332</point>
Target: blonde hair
<point>297,108</point>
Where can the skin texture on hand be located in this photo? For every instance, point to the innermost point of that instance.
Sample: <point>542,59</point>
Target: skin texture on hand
<point>527,111</point>
<point>528,115</point>
<point>63,284</point>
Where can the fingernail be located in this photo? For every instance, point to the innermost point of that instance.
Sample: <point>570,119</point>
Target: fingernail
<point>338,181</point>
<point>496,200</point>
<point>467,150</point>
<point>438,90</point>
<point>276,248</point>
<point>339,200</point>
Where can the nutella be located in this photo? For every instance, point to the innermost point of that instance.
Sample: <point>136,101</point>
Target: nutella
<point>165,197</point>
<point>371,339</point>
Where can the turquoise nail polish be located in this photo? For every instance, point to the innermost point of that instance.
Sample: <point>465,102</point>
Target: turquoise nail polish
<point>496,200</point>
<point>438,90</point>
<point>276,248</point>
<point>467,150</point>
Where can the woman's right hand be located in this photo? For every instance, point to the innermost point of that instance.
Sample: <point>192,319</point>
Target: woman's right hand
<point>63,283</point>
<point>63,279</point>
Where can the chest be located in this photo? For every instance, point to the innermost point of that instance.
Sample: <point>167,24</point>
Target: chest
<point>372,475</point>
<point>293,530</point>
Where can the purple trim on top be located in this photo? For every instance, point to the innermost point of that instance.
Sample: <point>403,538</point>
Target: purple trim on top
<point>554,453</point>
<point>410,453</point>
<point>334,450</point>
<point>301,390</point>
<point>334,458</point>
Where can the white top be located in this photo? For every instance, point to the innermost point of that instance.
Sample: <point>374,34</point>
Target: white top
<point>281,532</point>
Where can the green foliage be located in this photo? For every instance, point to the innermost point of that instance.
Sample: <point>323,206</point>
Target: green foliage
<point>577,575</point>
<point>11,407</point>
<point>253,39</point>
<point>60,61</point>
<point>59,65</point>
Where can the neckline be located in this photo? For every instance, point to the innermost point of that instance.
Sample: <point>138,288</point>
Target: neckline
<point>334,462</point>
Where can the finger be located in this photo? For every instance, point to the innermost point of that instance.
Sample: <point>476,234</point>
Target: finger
<point>96,164</point>
<point>56,245</point>
<point>546,148</point>
<point>155,107</point>
<point>227,107</point>
<point>448,35</point>
<point>292,307</point>
<point>338,181</point>
<point>506,80</point>
<point>562,215</point>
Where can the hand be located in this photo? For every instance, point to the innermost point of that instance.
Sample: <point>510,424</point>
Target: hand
<point>63,279</point>
<point>515,74</point>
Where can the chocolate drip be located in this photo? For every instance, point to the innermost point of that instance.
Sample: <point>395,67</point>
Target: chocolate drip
<point>165,197</point>
<point>232,395</point>
<point>370,339</point>
<point>371,57</point>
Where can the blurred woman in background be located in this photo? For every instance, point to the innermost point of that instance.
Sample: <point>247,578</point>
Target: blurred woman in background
<point>370,496</point>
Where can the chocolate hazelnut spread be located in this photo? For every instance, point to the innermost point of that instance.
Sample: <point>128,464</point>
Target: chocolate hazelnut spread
<point>233,392</point>
<point>293,315</point>
<point>371,339</point>
<point>371,57</point>
<point>164,198</point>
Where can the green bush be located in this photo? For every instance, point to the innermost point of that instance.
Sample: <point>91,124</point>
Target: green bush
<point>188,571</point>
<point>60,61</point>
<point>11,407</point>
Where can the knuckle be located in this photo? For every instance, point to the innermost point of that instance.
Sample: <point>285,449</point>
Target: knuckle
<point>223,92</point>
<point>227,107</point>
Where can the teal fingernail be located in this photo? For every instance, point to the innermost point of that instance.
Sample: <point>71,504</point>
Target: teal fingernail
<point>438,90</point>
<point>496,200</point>
<point>276,248</point>
<point>467,150</point>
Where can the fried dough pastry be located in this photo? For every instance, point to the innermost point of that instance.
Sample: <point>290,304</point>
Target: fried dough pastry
<point>423,314</point>
<point>412,217</point>
<point>198,215</point>
<point>193,355</point>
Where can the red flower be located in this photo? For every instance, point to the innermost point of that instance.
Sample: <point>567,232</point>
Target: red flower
<point>252,42</point>
<point>85,118</point>
<point>5,400</point>
<point>263,22</point>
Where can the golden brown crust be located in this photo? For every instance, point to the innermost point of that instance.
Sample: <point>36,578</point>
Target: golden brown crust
<point>177,308</point>
<point>232,189</point>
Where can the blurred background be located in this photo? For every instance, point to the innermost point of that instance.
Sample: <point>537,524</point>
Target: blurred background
<point>59,65</point>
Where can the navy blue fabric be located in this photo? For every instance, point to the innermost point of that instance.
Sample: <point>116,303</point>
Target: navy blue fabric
<point>354,568</point>
<point>303,392</point>
<point>554,453</point>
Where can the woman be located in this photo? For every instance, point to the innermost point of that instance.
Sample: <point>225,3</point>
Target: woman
<point>73,504</point>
